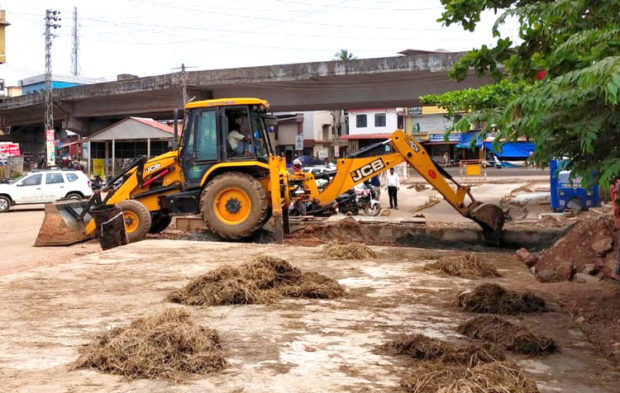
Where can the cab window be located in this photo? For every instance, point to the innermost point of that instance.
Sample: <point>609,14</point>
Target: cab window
<point>71,177</point>
<point>53,178</point>
<point>206,136</point>
<point>33,180</point>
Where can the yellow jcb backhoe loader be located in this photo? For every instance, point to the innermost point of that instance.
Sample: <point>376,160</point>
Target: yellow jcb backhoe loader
<point>226,170</point>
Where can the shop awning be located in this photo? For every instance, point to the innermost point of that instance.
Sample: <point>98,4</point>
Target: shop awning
<point>466,138</point>
<point>520,150</point>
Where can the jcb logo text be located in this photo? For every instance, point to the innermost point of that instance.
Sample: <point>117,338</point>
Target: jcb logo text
<point>367,170</point>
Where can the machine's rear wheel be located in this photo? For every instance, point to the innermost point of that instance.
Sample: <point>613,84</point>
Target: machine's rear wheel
<point>137,219</point>
<point>233,205</point>
<point>159,222</point>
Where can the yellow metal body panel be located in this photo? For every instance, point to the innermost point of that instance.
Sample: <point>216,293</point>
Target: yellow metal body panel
<point>129,188</point>
<point>227,102</point>
<point>239,164</point>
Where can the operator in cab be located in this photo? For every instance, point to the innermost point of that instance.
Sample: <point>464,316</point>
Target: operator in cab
<point>239,143</point>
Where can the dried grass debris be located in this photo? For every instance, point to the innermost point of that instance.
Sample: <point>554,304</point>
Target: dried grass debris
<point>494,299</point>
<point>262,281</point>
<point>422,347</point>
<point>438,377</point>
<point>353,250</point>
<point>467,266</point>
<point>513,337</point>
<point>167,345</point>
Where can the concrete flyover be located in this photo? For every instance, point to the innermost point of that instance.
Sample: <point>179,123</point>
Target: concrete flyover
<point>363,83</point>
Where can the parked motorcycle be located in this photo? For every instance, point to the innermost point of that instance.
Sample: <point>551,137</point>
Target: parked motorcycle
<point>366,199</point>
<point>347,203</point>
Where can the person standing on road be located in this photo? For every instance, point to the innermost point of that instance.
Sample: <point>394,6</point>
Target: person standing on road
<point>393,185</point>
<point>376,183</point>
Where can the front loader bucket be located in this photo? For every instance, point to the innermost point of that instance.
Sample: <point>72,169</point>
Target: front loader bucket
<point>490,218</point>
<point>62,225</point>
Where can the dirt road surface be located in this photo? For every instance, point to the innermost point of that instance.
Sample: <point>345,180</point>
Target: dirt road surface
<point>18,230</point>
<point>298,345</point>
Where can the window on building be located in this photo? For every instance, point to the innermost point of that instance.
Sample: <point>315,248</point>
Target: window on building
<point>361,121</point>
<point>400,122</point>
<point>53,178</point>
<point>379,119</point>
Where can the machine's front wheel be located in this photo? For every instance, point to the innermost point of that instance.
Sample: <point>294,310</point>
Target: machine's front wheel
<point>137,219</point>
<point>233,205</point>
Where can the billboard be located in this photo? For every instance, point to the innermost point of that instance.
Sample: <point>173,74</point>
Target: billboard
<point>8,149</point>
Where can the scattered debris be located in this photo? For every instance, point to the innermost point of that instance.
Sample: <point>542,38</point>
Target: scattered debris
<point>589,247</point>
<point>348,251</point>
<point>433,377</point>
<point>466,266</point>
<point>451,368</point>
<point>494,299</point>
<point>527,257</point>
<point>419,346</point>
<point>513,337</point>
<point>431,201</point>
<point>167,345</point>
<point>262,281</point>
<point>343,231</point>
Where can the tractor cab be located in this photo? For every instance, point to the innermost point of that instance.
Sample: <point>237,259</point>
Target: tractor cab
<point>221,131</point>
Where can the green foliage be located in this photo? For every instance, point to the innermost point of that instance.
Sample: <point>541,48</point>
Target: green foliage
<point>573,112</point>
<point>344,55</point>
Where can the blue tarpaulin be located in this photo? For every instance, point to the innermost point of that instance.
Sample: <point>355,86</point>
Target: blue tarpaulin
<point>465,140</point>
<point>519,150</point>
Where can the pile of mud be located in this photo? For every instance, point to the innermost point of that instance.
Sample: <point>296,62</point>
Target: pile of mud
<point>494,299</point>
<point>348,251</point>
<point>590,247</point>
<point>167,345</point>
<point>450,368</point>
<point>262,281</point>
<point>347,230</point>
<point>466,266</point>
<point>514,338</point>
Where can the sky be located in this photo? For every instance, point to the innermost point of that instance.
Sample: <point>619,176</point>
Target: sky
<point>153,37</point>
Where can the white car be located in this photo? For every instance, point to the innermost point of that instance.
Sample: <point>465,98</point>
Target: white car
<point>44,186</point>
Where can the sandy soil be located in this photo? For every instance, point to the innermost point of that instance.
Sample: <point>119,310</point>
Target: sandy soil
<point>18,230</point>
<point>297,345</point>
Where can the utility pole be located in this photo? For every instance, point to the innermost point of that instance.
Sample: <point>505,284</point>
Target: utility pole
<point>76,44</point>
<point>184,84</point>
<point>52,19</point>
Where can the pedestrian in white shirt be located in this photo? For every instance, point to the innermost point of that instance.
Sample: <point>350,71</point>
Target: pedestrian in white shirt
<point>393,185</point>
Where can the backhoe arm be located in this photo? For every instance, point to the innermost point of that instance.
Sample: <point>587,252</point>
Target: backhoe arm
<point>355,169</point>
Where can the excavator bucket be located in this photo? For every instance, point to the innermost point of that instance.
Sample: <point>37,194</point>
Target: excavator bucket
<point>490,218</point>
<point>62,224</point>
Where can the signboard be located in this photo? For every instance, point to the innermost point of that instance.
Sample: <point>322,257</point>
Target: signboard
<point>323,153</point>
<point>8,149</point>
<point>49,143</point>
<point>98,165</point>
<point>299,142</point>
<point>453,137</point>
<point>336,151</point>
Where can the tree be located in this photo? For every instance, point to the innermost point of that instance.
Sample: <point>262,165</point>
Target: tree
<point>557,86</point>
<point>344,55</point>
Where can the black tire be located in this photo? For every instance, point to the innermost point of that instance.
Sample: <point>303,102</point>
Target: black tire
<point>137,211</point>
<point>251,190</point>
<point>5,204</point>
<point>74,195</point>
<point>159,222</point>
